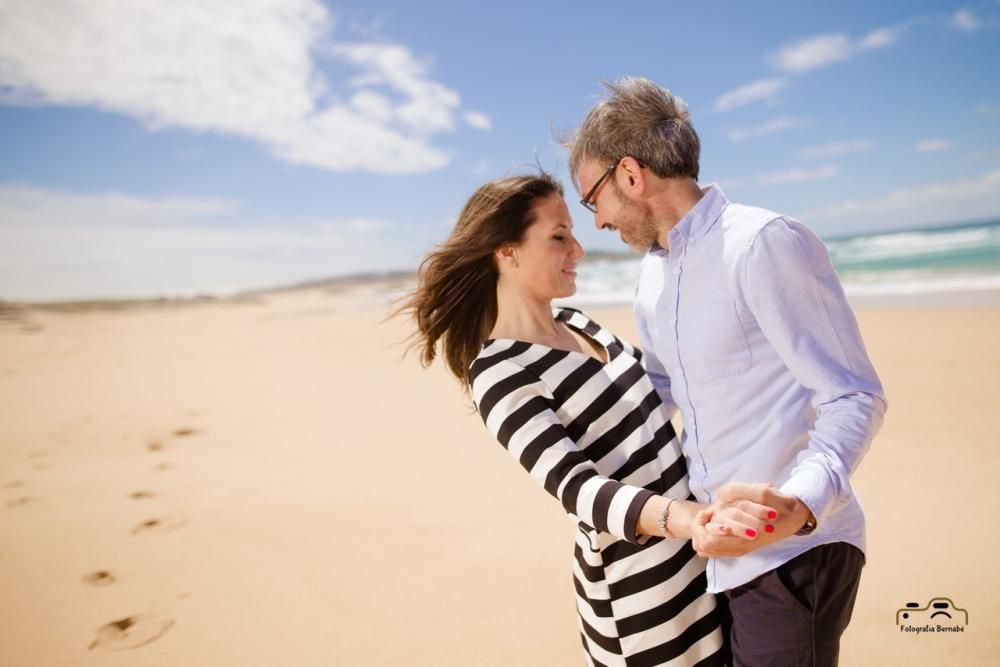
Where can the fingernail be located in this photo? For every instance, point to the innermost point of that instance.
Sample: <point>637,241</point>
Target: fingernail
<point>772,515</point>
<point>724,529</point>
<point>751,532</point>
<point>768,528</point>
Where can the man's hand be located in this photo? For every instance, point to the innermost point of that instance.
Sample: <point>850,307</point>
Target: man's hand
<point>746,517</point>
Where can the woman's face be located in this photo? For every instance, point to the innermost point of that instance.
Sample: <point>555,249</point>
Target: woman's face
<point>546,258</point>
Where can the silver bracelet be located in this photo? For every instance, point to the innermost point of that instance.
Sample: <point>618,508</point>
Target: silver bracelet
<point>661,521</point>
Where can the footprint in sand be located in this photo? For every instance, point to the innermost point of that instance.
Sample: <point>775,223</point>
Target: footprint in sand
<point>130,632</point>
<point>158,444</point>
<point>141,495</point>
<point>23,500</point>
<point>160,467</point>
<point>99,578</point>
<point>163,524</point>
<point>13,484</point>
<point>38,454</point>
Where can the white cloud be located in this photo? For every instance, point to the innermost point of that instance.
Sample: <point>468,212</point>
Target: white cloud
<point>821,50</point>
<point>29,207</point>
<point>964,19</point>
<point>836,149</point>
<point>762,89</point>
<point>933,146</point>
<point>478,120</point>
<point>878,39</point>
<point>60,245</point>
<point>820,173</point>
<point>429,106</point>
<point>249,69</point>
<point>966,198</point>
<point>770,127</point>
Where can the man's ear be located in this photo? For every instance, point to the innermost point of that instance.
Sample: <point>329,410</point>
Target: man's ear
<point>632,177</point>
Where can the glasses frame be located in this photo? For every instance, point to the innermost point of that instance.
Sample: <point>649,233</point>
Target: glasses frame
<point>586,201</point>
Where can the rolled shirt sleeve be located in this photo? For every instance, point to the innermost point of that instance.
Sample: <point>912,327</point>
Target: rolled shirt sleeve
<point>797,299</point>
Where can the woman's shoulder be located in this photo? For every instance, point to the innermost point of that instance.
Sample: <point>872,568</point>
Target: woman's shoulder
<point>497,374</point>
<point>566,313</point>
<point>582,320</point>
<point>495,356</point>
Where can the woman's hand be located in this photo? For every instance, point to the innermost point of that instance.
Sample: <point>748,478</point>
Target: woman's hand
<point>733,525</point>
<point>721,529</point>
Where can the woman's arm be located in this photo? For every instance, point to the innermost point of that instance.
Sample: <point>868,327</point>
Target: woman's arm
<point>515,410</point>
<point>742,514</point>
<point>682,513</point>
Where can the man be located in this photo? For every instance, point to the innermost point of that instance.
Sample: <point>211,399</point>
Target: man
<point>745,329</point>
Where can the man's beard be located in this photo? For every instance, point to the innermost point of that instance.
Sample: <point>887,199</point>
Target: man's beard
<point>646,230</point>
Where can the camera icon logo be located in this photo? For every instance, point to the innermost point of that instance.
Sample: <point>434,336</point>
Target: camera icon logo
<point>938,610</point>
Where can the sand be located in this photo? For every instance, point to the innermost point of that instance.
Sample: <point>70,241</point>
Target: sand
<point>268,482</point>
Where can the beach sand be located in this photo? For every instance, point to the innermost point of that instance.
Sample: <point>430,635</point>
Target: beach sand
<point>269,482</point>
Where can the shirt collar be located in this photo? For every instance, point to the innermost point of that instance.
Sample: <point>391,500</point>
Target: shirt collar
<point>695,222</point>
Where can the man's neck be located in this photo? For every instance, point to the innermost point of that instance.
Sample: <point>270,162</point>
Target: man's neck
<point>672,200</point>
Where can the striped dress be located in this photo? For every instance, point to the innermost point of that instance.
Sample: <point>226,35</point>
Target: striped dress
<point>597,437</point>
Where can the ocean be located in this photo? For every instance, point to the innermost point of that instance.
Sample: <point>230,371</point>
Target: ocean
<point>931,261</point>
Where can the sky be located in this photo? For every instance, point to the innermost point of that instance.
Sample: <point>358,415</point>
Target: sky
<point>173,148</point>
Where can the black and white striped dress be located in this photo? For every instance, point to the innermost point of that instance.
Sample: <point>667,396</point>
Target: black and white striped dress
<point>596,437</point>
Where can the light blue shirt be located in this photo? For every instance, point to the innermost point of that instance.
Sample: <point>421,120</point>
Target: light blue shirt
<point>745,328</point>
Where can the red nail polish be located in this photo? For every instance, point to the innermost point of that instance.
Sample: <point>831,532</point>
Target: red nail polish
<point>751,532</point>
<point>772,515</point>
<point>768,528</point>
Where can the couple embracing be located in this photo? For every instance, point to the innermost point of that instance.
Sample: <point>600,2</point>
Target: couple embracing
<point>741,541</point>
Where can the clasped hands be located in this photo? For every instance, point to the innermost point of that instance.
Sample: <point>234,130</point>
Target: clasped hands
<point>745,517</point>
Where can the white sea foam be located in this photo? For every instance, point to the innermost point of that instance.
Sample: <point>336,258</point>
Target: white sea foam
<point>912,244</point>
<point>611,282</point>
<point>910,263</point>
<point>890,285</point>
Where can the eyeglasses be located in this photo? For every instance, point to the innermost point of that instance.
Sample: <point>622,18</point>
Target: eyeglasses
<point>586,201</point>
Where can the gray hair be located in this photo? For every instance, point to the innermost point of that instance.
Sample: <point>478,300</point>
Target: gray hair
<point>638,119</point>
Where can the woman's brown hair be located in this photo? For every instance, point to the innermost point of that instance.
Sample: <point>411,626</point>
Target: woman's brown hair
<point>455,301</point>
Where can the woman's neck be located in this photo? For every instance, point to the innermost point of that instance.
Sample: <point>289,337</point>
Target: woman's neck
<point>523,318</point>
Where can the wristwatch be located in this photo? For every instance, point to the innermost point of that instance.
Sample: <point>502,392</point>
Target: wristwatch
<point>809,526</point>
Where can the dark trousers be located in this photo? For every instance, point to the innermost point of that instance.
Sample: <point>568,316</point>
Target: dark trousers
<point>794,615</point>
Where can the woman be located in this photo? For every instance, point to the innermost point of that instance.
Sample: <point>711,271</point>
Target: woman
<point>571,402</point>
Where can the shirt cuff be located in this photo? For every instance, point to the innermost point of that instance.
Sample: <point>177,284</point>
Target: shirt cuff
<point>815,491</point>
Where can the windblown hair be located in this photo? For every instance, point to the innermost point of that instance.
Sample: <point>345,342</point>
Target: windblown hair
<point>638,119</point>
<point>455,301</point>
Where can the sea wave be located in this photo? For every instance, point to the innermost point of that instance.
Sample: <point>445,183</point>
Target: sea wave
<point>927,261</point>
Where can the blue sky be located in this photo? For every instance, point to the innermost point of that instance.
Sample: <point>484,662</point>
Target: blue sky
<point>178,147</point>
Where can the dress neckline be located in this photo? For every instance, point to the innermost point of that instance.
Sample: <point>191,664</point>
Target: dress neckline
<point>579,330</point>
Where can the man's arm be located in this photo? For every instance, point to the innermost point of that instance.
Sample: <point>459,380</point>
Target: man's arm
<point>796,297</point>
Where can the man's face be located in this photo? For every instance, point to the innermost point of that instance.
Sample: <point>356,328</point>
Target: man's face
<point>632,219</point>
